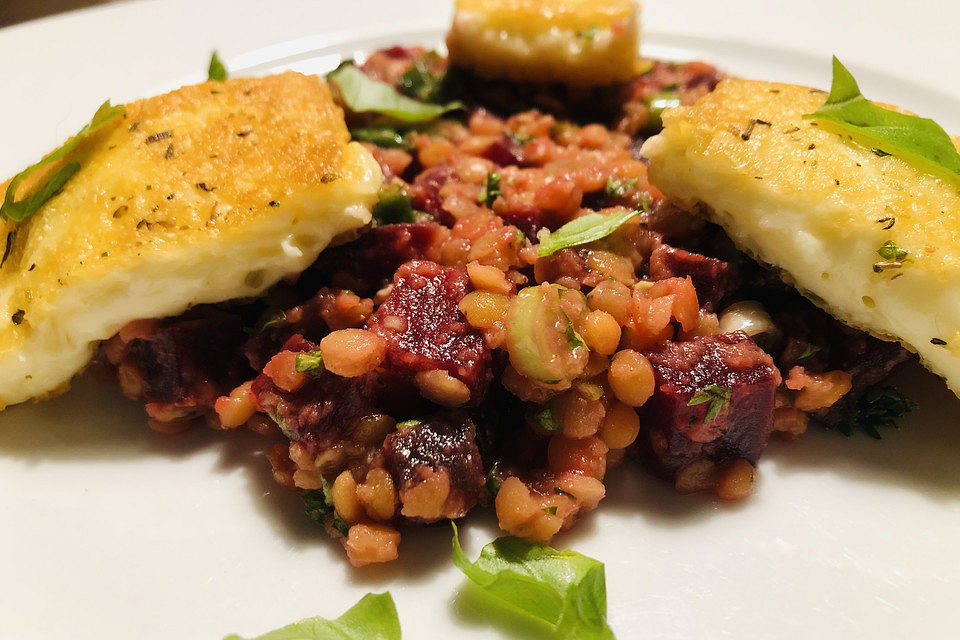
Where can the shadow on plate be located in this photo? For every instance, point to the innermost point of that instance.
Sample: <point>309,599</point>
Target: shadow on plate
<point>95,421</point>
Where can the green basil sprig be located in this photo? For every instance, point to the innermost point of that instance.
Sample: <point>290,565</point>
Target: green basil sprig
<point>20,210</point>
<point>588,228</point>
<point>563,589</point>
<point>919,141</point>
<point>373,618</point>
<point>363,94</point>
<point>216,70</point>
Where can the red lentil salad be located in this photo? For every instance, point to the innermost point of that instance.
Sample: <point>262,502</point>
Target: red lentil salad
<point>526,312</point>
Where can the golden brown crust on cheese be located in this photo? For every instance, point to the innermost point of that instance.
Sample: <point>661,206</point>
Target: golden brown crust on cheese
<point>258,164</point>
<point>817,205</point>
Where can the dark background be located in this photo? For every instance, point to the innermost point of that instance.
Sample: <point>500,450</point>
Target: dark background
<point>14,11</point>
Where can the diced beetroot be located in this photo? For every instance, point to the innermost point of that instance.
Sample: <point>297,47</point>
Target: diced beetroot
<point>525,217</point>
<point>711,277</point>
<point>425,330</point>
<point>504,152</point>
<point>445,441</point>
<point>678,432</point>
<point>324,410</point>
<point>425,192</point>
<point>187,362</point>
<point>371,260</point>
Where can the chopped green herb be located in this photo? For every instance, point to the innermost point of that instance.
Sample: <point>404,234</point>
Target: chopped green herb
<point>546,420</point>
<point>919,141</point>
<point>309,362</point>
<point>617,188</point>
<point>493,479</point>
<point>408,424</point>
<point>317,503</point>
<point>562,589</point>
<point>589,33</point>
<point>363,94</point>
<point>216,70</point>
<point>387,137</point>
<point>394,206</point>
<point>373,618</point>
<point>491,190</point>
<point>18,211</point>
<point>876,409</point>
<point>590,390</point>
<point>717,396</point>
<point>574,339</point>
<point>551,510</point>
<point>420,83</point>
<point>588,228</point>
<point>340,525</point>
<point>809,351</point>
<point>890,251</point>
<point>287,431</point>
<point>519,138</point>
<point>658,103</point>
<point>273,321</point>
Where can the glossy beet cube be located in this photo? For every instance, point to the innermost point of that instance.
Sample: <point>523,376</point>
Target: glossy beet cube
<point>711,277</point>
<point>738,377</point>
<point>324,410</point>
<point>424,329</point>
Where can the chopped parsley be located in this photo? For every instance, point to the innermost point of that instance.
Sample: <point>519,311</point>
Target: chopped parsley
<point>310,362</point>
<point>617,187</point>
<point>551,510</point>
<point>394,206</point>
<point>317,503</point>
<point>546,420</point>
<point>890,251</point>
<point>876,409</point>
<point>717,396</point>
<point>491,190</point>
<point>589,33</point>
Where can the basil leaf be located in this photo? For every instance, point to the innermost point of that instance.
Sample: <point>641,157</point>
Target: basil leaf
<point>19,211</point>
<point>363,94</point>
<point>373,618</point>
<point>582,230</point>
<point>216,70</point>
<point>387,137</point>
<point>919,141</point>
<point>564,589</point>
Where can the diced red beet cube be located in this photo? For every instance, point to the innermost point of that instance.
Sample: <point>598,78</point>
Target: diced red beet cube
<point>323,411</point>
<point>425,192</point>
<point>504,152</point>
<point>445,441</point>
<point>711,277</point>
<point>730,365</point>
<point>187,362</point>
<point>525,217</point>
<point>425,330</point>
<point>371,259</point>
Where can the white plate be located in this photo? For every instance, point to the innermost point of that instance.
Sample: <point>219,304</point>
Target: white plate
<point>111,531</point>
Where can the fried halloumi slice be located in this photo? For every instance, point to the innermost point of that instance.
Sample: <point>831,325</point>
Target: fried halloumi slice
<point>207,193</point>
<point>818,206</point>
<point>576,42</point>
